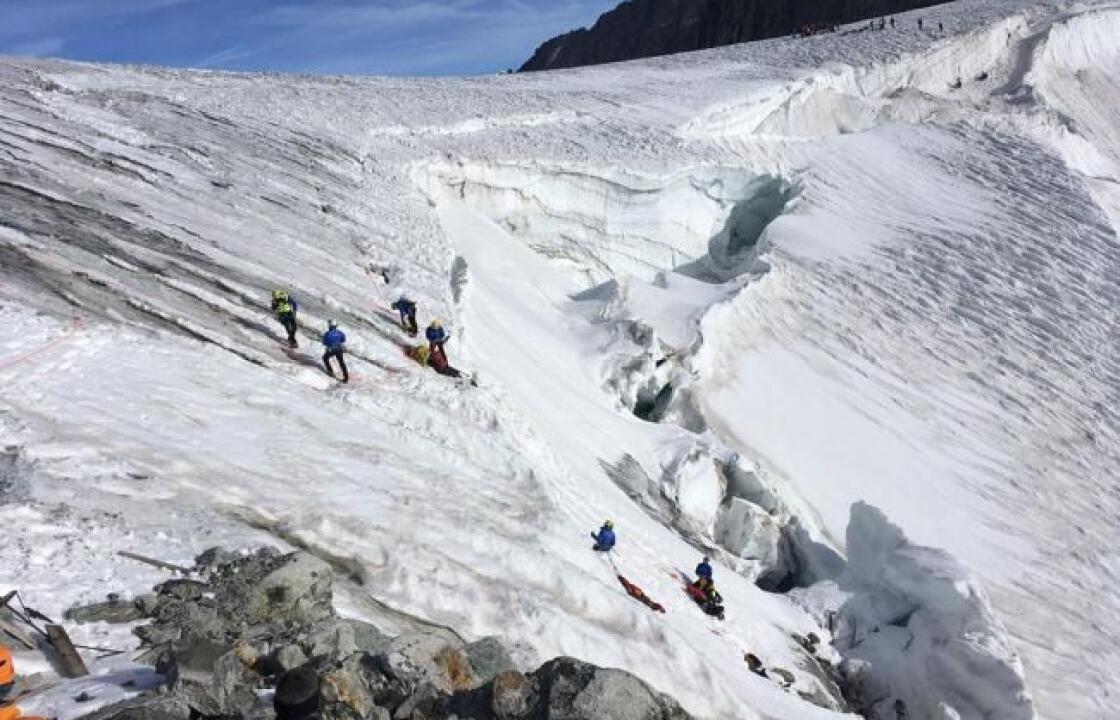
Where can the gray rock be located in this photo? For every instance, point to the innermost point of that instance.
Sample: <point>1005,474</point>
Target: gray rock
<point>262,709</point>
<point>348,688</point>
<point>827,694</point>
<point>144,707</point>
<point>331,639</point>
<point>513,695</point>
<point>209,678</point>
<point>182,589</point>
<point>297,590</point>
<point>417,658</point>
<point>156,634</point>
<point>576,690</point>
<point>110,611</point>
<point>193,620</point>
<point>367,637</point>
<point>214,557</point>
<point>286,658</point>
<point>423,703</point>
<point>488,657</point>
<point>784,676</point>
<point>617,694</point>
<point>147,604</point>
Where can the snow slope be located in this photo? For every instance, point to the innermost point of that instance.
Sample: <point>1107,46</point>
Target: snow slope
<point>827,273</point>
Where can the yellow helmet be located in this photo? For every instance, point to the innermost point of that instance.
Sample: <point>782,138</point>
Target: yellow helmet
<point>608,523</point>
<point>279,294</point>
<point>436,324</point>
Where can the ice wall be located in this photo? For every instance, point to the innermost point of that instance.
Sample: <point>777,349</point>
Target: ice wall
<point>917,626</point>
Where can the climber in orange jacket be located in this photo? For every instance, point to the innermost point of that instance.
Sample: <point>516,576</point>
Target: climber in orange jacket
<point>9,710</point>
<point>7,673</point>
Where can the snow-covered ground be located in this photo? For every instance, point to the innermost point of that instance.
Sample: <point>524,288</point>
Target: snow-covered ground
<point>821,271</point>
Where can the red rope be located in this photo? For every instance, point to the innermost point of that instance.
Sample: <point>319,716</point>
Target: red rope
<point>75,325</point>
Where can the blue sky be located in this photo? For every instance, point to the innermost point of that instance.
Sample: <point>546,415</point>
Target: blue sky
<point>363,37</point>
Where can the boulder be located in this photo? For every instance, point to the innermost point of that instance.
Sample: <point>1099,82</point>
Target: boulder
<point>367,637</point>
<point>182,589</point>
<point>190,619</point>
<point>156,634</point>
<point>145,707</point>
<point>331,639</point>
<point>360,685</point>
<point>262,709</point>
<point>423,703</point>
<point>512,695</point>
<point>575,690</point>
<point>488,657</point>
<point>147,603</point>
<point>209,677</point>
<point>285,658</point>
<point>417,658</point>
<point>297,591</point>
<point>213,557</point>
<point>562,689</point>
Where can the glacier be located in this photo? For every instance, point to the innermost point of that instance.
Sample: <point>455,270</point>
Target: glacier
<point>722,298</point>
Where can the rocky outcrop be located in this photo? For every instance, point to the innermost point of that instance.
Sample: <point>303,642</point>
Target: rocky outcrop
<point>647,28</point>
<point>256,637</point>
<point>564,688</point>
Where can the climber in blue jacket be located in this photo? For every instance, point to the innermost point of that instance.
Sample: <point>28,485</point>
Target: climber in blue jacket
<point>334,340</point>
<point>436,337</point>
<point>407,309</point>
<point>604,539</point>
<point>704,569</point>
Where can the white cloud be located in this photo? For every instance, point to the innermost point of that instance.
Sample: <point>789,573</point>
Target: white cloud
<point>230,54</point>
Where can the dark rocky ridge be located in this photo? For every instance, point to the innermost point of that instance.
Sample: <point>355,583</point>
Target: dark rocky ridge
<point>647,28</point>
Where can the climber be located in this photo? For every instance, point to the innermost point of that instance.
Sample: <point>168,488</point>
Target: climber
<point>703,590</point>
<point>335,341</point>
<point>7,673</point>
<point>604,539</point>
<point>436,336</point>
<point>407,309</point>
<point>704,585</point>
<point>286,307</point>
<point>704,569</point>
<point>710,601</point>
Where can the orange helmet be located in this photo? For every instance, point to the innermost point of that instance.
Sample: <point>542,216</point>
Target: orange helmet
<point>7,667</point>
